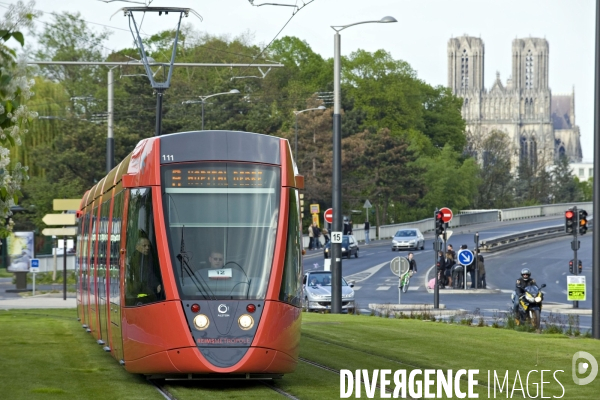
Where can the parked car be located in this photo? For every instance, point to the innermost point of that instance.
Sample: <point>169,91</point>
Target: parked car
<point>408,239</point>
<point>349,247</point>
<point>316,292</point>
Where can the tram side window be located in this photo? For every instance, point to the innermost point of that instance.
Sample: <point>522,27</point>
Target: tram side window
<point>291,287</point>
<point>143,282</point>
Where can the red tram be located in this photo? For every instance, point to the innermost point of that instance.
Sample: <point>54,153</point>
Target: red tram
<point>189,257</point>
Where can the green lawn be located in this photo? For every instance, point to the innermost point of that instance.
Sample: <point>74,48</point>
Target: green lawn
<point>46,355</point>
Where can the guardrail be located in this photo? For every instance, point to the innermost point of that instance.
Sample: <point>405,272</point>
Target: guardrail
<point>516,239</point>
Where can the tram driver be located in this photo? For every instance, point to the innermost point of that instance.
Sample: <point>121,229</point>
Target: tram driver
<point>216,259</point>
<point>144,281</point>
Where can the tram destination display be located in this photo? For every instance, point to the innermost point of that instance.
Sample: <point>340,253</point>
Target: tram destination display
<point>215,175</point>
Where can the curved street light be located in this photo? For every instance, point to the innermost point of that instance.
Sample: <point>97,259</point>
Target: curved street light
<point>296,139</point>
<point>336,245</point>
<point>203,100</point>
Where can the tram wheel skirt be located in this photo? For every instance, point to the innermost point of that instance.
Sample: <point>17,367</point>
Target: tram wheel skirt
<point>189,360</point>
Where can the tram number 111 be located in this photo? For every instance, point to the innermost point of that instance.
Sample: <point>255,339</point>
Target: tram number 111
<point>168,157</point>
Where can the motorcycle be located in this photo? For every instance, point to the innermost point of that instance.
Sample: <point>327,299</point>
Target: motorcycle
<point>530,305</point>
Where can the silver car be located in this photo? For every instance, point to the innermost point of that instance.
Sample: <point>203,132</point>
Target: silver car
<point>316,287</point>
<point>408,239</point>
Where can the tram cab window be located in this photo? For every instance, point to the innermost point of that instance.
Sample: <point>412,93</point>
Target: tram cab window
<point>143,282</point>
<point>221,220</point>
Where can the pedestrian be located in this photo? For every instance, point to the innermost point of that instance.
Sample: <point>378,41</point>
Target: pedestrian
<point>350,226</point>
<point>449,264</point>
<point>441,268</point>
<point>481,270</point>
<point>325,235</point>
<point>346,230</point>
<point>311,236</point>
<point>317,235</point>
<point>367,231</point>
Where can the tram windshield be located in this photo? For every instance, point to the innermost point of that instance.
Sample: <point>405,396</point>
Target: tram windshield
<point>221,220</point>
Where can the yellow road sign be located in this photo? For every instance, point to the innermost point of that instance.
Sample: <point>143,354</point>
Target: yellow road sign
<point>59,219</point>
<point>60,231</point>
<point>575,288</point>
<point>66,204</point>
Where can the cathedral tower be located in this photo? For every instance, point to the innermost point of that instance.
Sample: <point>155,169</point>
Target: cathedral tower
<point>530,63</point>
<point>465,64</point>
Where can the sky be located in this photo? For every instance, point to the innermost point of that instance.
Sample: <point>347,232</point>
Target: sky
<point>419,37</point>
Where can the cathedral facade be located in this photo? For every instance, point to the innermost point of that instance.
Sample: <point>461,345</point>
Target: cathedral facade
<point>540,126</point>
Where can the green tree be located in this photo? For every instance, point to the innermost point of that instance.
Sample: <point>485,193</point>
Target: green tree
<point>69,38</point>
<point>565,187</point>
<point>451,182</point>
<point>496,182</point>
<point>382,168</point>
<point>15,91</point>
<point>533,183</point>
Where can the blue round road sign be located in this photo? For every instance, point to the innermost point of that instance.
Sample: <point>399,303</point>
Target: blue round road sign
<point>465,257</point>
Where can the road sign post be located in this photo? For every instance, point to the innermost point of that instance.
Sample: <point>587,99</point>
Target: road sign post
<point>476,260</point>
<point>34,267</point>
<point>399,267</point>
<point>436,286</point>
<point>366,206</point>
<point>465,258</point>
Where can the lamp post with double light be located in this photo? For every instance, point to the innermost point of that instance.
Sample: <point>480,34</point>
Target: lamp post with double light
<point>336,245</point>
<point>296,137</point>
<point>204,98</point>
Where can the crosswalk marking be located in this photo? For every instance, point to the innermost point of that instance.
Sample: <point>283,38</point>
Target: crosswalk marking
<point>356,288</point>
<point>383,287</point>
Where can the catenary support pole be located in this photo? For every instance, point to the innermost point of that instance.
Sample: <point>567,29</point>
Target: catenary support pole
<point>595,247</point>
<point>110,141</point>
<point>336,248</point>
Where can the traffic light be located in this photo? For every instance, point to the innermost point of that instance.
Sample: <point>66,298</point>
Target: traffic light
<point>570,222</point>
<point>583,222</point>
<point>301,205</point>
<point>578,264</point>
<point>439,223</point>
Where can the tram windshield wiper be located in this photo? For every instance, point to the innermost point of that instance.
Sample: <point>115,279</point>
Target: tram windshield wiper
<point>200,284</point>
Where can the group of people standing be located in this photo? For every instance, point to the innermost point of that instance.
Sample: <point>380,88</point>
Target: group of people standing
<point>314,236</point>
<point>451,274</point>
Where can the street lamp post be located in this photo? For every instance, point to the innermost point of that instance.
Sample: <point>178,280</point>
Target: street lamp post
<point>336,245</point>
<point>204,98</point>
<point>296,139</point>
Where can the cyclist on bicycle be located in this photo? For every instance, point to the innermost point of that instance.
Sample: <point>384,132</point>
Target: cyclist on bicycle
<point>412,264</point>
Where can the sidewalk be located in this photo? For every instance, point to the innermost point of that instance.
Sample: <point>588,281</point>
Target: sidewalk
<point>49,300</point>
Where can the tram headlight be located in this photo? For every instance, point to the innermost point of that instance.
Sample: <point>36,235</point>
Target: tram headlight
<point>201,322</point>
<point>246,322</point>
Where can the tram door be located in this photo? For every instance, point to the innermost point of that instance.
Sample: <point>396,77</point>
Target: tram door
<point>102,271</point>
<point>116,339</point>
<point>92,277</point>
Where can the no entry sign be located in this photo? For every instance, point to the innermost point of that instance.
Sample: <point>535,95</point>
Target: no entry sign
<point>328,215</point>
<point>446,214</point>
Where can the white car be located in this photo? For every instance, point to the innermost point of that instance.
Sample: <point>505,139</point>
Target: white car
<point>316,288</point>
<point>409,238</point>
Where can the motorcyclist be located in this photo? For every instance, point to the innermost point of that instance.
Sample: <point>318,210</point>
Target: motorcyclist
<point>520,286</point>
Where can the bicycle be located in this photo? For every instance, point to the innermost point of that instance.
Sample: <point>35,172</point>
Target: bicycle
<point>405,280</point>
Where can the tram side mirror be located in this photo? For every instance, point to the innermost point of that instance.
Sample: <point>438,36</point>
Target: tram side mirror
<point>543,286</point>
<point>351,284</point>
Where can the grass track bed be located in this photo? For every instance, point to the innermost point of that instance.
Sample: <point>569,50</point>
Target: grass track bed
<point>45,354</point>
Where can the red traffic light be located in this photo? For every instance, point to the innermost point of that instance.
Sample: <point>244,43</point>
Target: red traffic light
<point>569,214</point>
<point>438,215</point>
